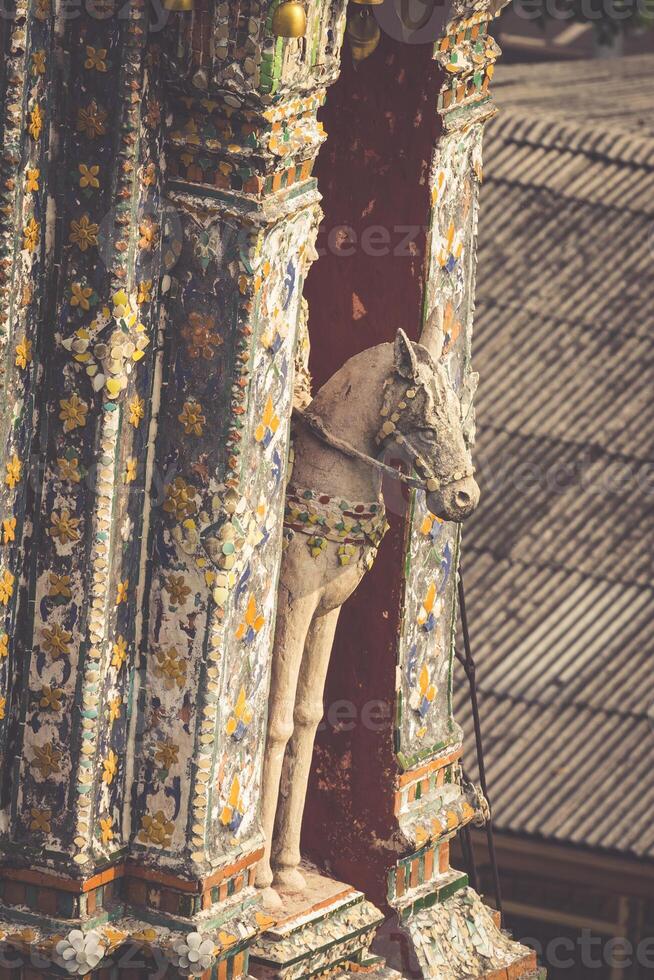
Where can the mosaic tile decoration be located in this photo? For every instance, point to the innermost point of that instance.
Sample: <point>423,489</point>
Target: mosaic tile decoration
<point>424,718</point>
<point>240,55</point>
<point>155,541</point>
<point>460,939</point>
<point>218,535</point>
<point>72,644</point>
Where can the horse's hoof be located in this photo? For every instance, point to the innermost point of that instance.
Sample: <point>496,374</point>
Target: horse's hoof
<point>264,876</point>
<point>289,880</point>
<point>271,900</point>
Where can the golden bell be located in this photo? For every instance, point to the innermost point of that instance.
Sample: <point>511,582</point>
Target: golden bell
<point>180,6</point>
<point>363,33</point>
<point>289,20</point>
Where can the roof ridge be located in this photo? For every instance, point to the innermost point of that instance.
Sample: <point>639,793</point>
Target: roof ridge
<point>553,566</point>
<point>483,424</point>
<point>623,69</point>
<point>545,127</point>
<point>513,302</point>
<point>539,702</point>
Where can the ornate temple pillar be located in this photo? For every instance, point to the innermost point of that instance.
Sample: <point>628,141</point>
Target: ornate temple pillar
<point>81,166</point>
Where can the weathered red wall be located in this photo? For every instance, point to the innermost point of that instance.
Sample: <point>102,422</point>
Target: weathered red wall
<point>382,125</point>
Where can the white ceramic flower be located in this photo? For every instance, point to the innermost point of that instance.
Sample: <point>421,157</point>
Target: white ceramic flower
<point>80,952</point>
<point>194,953</point>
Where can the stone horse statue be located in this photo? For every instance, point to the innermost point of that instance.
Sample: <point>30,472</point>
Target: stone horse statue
<point>397,395</point>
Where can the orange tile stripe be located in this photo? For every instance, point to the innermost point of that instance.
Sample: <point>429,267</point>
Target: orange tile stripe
<point>413,774</point>
<point>26,876</point>
<point>200,885</point>
<point>444,857</point>
<point>435,856</point>
<point>80,887</point>
<point>339,896</point>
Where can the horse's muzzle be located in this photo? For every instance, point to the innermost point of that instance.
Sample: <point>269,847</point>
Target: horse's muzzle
<point>455,501</point>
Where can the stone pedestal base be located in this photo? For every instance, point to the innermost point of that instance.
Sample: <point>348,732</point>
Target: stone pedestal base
<point>329,925</point>
<point>127,921</point>
<point>459,939</point>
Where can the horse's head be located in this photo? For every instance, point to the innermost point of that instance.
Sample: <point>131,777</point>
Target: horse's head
<point>422,416</point>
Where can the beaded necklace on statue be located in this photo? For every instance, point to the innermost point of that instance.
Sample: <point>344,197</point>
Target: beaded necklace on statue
<point>326,518</point>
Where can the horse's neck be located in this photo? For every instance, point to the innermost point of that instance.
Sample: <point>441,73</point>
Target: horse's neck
<point>349,406</point>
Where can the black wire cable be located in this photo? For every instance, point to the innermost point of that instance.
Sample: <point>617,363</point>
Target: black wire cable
<point>469,666</point>
<point>469,857</point>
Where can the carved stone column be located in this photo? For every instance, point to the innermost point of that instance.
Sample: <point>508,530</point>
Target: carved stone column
<point>160,204</point>
<point>450,929</point>
<point>81,167</point>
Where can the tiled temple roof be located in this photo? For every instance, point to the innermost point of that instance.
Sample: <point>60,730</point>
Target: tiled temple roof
<point>616,93</point>
<point>559,558</point>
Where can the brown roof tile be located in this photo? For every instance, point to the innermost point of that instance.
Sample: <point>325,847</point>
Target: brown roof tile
<point>559,558</point>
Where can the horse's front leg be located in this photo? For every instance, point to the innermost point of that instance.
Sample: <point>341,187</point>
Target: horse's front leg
<point>293,620</point>
<point>297,764</point>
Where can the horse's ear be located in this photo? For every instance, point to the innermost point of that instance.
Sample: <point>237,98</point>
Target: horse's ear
<point>432,336</point>
<point>406,360</point>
